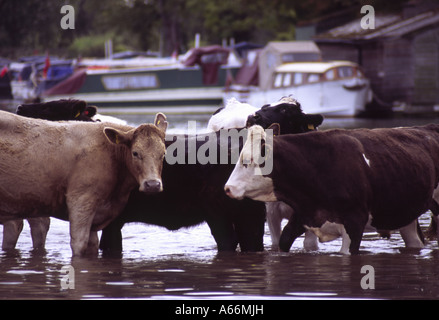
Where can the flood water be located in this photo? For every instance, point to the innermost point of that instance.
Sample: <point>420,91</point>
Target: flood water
<point>160,264</point>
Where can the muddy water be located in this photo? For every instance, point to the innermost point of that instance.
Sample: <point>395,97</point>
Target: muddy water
<point>159,264</point>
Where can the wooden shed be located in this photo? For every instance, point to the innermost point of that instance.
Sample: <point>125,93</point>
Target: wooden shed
<point>278,52</point>
<point>400,56</point>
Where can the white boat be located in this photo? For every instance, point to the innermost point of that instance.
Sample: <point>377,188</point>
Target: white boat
<point>337,88</point>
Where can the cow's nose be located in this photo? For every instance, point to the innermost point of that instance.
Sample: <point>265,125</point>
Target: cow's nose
<point>151,186</point>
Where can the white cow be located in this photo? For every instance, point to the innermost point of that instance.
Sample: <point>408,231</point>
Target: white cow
<point>233,115</point>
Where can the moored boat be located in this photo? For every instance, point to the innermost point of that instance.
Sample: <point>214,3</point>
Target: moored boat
<point>197,81</point>
<point>337,88</point>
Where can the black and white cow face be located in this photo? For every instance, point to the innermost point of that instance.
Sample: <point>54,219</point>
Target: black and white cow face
<point>250,176</point>
<point>288,114</point>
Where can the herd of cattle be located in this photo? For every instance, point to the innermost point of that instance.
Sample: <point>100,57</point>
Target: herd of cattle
<point>100,175</point>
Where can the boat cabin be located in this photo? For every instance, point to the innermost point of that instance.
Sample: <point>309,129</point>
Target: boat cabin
<point>331,88</point>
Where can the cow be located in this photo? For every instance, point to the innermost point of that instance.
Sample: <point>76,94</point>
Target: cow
<point>233,115</point>
<point>64,109</point>
<point>58,110</point>
<point>276,212</point>
<point>202,198</point>
<point>288,113</point>
<point>82,172</point>
<point>193,195</point>
<point>337,178</point>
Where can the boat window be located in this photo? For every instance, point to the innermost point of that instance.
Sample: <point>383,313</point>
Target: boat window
<point>330,74</point>
<point>298,78</point>
<point>278,80</point>
<point>313,77</point>
<point>360,73</point>
<point>287,80</point>
<point>346,72</point>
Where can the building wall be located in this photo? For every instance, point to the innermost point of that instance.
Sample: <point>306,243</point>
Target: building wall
<point>404,69</point>
<point>426,69</point>
<point>397,66</point>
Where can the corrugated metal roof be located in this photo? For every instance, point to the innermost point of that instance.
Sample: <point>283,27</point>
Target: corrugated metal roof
<point>386,26</point>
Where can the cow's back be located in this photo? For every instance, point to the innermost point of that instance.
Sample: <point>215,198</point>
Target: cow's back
<point>39,159</point>
<point>404,171</point>
<point>320,171</point>
<point>390,172</point>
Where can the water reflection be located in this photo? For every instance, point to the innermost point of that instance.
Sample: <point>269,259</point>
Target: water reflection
<point>201,272</point>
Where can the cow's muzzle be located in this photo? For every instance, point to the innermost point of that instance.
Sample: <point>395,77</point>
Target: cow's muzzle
<point>232,192</point>
<point>151,186</point>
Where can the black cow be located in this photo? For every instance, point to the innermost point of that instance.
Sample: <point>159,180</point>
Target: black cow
<point>288,113</point>
<point>58,110</point>
<point>338,177</point>
<point>193,193</point>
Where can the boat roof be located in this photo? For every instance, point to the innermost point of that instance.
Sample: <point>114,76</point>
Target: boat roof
<point>293,46</point>
<point>313,67</point>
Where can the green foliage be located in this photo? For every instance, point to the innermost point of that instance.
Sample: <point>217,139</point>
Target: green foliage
<point>28,26</point>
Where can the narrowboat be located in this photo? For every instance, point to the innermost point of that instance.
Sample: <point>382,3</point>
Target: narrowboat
<point>192,84</point>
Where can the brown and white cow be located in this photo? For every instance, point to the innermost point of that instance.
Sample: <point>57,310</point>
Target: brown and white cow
<point>337,178</point>
<point>83,172</point>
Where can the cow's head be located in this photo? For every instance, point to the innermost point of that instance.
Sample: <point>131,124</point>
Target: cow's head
<point>145,151</point>
<point>288,114</point>
<point>58,110</point>
<point>250,175</point>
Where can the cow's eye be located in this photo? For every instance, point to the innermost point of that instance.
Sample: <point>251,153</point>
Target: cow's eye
<point>135,154</point>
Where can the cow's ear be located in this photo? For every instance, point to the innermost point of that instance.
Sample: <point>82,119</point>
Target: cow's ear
<point>118,137</point>
<point>313,120</point>
<point>90,111</point>
<point>78,107</point>
<point>160,121</point>
<point>276,129</point>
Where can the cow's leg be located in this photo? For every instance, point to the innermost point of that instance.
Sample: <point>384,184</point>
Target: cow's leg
<point>249,225</point>
<point>291,231</point>
<point>409,234</point>
<point>11,232</point>
<point>93,244</point>
<point>433,230</point>
<point>224,234</point>
<point>39,228</point>
<point>436,222</point>
<point>435,210</point>
<point>79,235</point>
<point>346,242</point>
<point>310,243</point>
<point>81,214</point>
<point>354,225</point>
<point>111,239</point>
<point>274,220</point>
